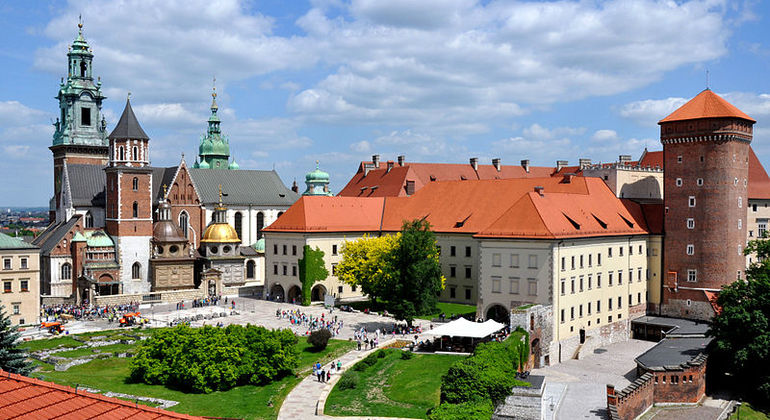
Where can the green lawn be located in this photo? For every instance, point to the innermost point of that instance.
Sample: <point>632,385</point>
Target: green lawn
<point>50,343</point>
<point>393,387</point>
<point>250,402</point>
<point>747,412</point>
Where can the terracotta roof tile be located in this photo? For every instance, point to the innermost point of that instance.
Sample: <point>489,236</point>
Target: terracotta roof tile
<point>759,182</point>
<point>331,214</point>
<point>652,159</point>
<point>706,104</point>
<point>27,398</point>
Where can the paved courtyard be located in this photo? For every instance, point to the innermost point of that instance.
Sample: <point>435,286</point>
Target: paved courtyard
<point>577,388</point>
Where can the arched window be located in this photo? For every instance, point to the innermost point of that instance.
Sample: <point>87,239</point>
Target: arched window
<point>260,224</point>
<point>135,153</point>
<point>250,269</point>
<point>135,270</point>
<point>135,184</point>
<point>239,224</point>
<point>121,153</point>
<point>183,222</point>
<point>83,67</point>
<point>135,210</point>
<point>89,220</point>
<point>66,271</point>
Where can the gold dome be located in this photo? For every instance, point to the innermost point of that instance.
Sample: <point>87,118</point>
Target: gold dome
<point>220,233</point>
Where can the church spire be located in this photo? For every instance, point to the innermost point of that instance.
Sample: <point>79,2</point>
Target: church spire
<point>214,148</point>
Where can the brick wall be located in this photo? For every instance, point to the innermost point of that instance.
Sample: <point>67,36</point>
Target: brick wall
<point>632,401</point>
<point>687,385</point>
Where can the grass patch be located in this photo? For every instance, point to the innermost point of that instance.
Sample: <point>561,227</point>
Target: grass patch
<point>392,387</point>
<point>248,402</point>
<point>747,412</point>
<point>50,343</point>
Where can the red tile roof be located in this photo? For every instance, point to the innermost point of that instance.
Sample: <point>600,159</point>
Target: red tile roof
<point>706,104</point>
<point>759,182</point>
<point>27,398</point>
<point>392,183</point>
<point>712,299</point>
<point>331,214</point>
<point>651,159</point>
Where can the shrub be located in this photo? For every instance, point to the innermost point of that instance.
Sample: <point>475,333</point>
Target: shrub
<point>406,355</point>
<point>319,339</point>
<point>209,359</point>
<point>473,410</point>
<point>349,380</point>
<point>381,354</point>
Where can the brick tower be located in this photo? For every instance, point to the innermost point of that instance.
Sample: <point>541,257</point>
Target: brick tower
<point>80,137</point>
<point>129,200</point>
<point>706,155</point>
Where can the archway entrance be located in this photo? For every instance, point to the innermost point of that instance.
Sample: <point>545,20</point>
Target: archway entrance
<point>295,295</point>
<point>499,313</point>
<point>276,293</point>
<point>318,293</point>
<point>535,352</point>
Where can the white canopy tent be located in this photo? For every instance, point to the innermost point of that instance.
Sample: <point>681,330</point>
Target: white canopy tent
<point>461,327</point>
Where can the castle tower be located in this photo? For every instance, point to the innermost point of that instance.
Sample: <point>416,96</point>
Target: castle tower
<point>317,182</point>
<point>706,155</point>
<point>172,260</point>
<point>214,148</point>
<point>129,200</point>
<point>80,131</point>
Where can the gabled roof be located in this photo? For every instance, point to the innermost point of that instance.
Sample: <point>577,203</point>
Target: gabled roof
<point>128,127</point>
<point>54,234</point>
<point>86,185</point>
<point>161,177</point>
<point>313,213</point>
<point>9,242</point>
<point>651,159</point>
<point>23,397</point>
<point>706,104</point>
<point>242,187</point>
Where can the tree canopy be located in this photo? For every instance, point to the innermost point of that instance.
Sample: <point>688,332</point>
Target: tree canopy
<point>741,330</point>
<point>368,263</point>
<point>312,269</point>
<point>12,358</point>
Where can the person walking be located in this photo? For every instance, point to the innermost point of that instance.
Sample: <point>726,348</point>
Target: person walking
<point>339,366</point>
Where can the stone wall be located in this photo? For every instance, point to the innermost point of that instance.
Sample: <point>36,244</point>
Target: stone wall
<point>686,385</point>
<point>537,320</point>
<point>632,401</point>
<point>56,300</point>
<point>154,297</point>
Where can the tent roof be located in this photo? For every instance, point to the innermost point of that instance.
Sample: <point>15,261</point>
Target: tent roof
<point>461,327</point>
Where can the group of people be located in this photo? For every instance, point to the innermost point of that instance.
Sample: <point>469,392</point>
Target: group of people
<point>325,374</point>
<point>312,323</point>
<point>201,302</point>
<point>367,340</point>
<point>110,312</point>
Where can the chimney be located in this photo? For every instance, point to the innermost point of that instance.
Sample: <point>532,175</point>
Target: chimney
<point>583,162</point>
<point>624,158</point>
<point>475,163</point>
<point>525,165</point>
<point>496,164</point>
<point>401,160</point>
<point>561,163</point>
<point>409,187</point>
<point>376,160</point>
<point>390,165</point>
<point>539,190</point>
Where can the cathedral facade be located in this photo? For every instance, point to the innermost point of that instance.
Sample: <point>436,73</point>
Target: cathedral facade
<point>120,226</point>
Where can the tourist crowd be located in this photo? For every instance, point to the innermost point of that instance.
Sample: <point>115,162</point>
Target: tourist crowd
<point>312,323</point>
<point>110,312</point>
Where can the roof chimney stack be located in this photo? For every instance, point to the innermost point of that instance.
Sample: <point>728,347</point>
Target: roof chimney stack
<point>539,190</point>
<point>376,160</point>
<point>475,163</point>
<point>584,162</point>
<point>624,158</point>
<point>496,164</point>
<point>560,164</point>
<point>401,160</point>
<point>525,165</point>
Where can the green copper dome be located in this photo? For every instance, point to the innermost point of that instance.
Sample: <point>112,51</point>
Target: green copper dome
<point>317,182</point>
<point>259,246</point>
<point>234,165</point>
<point>204,165</point>
<point>317,175</point>
<point>78,237</point>
<point>214,149</point>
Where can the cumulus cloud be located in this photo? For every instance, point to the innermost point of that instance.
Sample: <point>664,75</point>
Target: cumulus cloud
<point>604,136</point>
<point>649,111</point>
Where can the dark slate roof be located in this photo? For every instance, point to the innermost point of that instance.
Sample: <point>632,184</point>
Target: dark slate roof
<point>53,234</point>
<point>243,187</point>
<point>128,127</point>
<point>160,177</point>
<point>247,251</point>
<point>673,352</point>
<point>676,326</point>
<point>87,184</point>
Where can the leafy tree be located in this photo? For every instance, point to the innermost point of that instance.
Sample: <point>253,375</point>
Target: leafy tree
<point>311,270</point>
<point>741,330</point>
<point>319,339</point>
<point>12,358</point>
<point>368,263</point>
<point>419,278</point>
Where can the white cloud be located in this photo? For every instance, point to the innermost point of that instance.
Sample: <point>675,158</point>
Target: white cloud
<point>649,111</point>
<point>14,113</point>
<point>362,146</point>
<point>16,150</point>
<point>605,136</point>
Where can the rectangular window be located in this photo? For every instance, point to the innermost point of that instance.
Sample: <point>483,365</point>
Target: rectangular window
<point>452,271</point>
<point>609,252</point>
<point>25,285</point>
<point>641,250</point>
<point>590,258</point>
<point>580,311</point>
<point>339,289</point>
<point>753,207</point>
<point>496,260</point>
<point>532,287</point>
<point>7,287</point>
<point>620,251</point>
<point>692,275</point>
<point>761,227</point>
<point>572,285</point>
<point>24,263</point>
<point>562,316</point>
<point>563,263</point>
<point>334,249</point>
<point>514,285</point>
<point>563,286</point>
<point>639,297</point>
<point>467,251</point>
<point>354,287</point>
<point>514,260</point>
<point>590,280</point>
<point>609,279</point>
<point>609,304</point>
<point>572,313</point>
<point>630,275</point>
<point>598,306</point>
<point>533,261</point>
<point>690,249</point>
<point>581,261</point>
<point>598,280</point>
<point>620,277</point>
<point>85,116</point>
<point>334,269</point>
<point>285,269</point>
<point>496,284</point>
<point>275,249</point>
<point>581,283</point>
<point>639,274</point>
<point>285,249</point>
<point>620,302</point>
<point>467,272</point>
<point>630,250</point>
<point>599,259</point>
<point>589,308</point>
<point>467,294</point>
<point>691,201</point>
<point>690,223</point>
<point>452,292</point>
<point>6,263</point>
<point>452,251</point>
<point>275,268</point>
<point>294,249</point>
<point>294,270</point>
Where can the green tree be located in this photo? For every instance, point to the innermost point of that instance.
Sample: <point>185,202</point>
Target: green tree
<point>368,263</point>
<point>416,265</point>
<point>12,358</point>
<point>741,331</point>
<point>311,270</point>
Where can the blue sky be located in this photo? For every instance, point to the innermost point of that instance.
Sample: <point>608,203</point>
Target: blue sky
<point>338,81</point>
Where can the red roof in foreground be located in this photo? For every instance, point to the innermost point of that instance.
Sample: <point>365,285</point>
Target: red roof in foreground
<point>712,298</point>
<point>27,398</point>
<point>706,104</point>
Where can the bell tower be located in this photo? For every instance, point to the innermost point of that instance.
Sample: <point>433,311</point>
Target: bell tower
<point>80,135</point>
<point>129,200</point>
